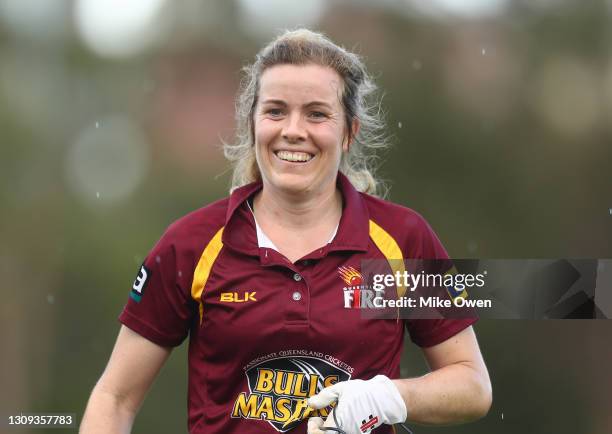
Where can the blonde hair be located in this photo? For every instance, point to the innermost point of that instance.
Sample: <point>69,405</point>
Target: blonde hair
<point>300,47</point>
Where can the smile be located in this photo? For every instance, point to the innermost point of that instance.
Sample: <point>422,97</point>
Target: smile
<point>294,157</point>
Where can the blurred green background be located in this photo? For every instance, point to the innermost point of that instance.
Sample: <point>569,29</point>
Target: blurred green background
<point>112,114</point>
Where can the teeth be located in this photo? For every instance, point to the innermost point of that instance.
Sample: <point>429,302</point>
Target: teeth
<point>294,156</point>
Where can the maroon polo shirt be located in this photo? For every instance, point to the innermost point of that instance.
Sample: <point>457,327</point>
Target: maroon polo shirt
<point>265,333</point>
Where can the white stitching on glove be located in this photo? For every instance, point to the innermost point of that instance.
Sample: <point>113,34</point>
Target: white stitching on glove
<point>362,405</point>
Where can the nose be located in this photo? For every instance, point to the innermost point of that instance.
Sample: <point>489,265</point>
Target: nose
<point>293,129</point>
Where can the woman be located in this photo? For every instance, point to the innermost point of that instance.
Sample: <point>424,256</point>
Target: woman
<point>266,282</point>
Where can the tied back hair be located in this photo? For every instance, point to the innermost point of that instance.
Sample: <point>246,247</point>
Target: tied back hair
<point>301,47</point>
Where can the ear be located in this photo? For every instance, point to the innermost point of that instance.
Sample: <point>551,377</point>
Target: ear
<point>355,125</point>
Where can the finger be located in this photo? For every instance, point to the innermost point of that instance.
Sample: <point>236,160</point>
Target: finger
<point>314,423</point>
<point>329,422</point>
<point>326,396</point>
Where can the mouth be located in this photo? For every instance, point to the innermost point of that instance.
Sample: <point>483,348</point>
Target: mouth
<point>294,157</point>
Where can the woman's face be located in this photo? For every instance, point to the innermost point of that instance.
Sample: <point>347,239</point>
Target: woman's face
<point>300,132</point>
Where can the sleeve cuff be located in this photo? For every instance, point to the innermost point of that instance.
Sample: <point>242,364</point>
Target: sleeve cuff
<point>149,332</point>
<point>440,334</point>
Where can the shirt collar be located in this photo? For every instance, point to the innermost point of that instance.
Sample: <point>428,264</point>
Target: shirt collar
<point>239,233</point>
<point>354,230</point>
<point>352,233</point>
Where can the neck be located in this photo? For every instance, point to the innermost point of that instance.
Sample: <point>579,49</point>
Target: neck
<point>299,211</point>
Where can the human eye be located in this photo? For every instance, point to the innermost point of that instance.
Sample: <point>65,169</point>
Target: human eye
<point>273,112</point>
<point>317,115</point>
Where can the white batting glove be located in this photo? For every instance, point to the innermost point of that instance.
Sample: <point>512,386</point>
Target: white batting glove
<point>362,405</point>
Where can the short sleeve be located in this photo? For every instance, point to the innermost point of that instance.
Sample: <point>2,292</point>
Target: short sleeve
<point>160,307</point>
<point>430,332</point>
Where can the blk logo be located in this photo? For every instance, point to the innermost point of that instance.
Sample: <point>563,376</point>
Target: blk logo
<point>235,297</point>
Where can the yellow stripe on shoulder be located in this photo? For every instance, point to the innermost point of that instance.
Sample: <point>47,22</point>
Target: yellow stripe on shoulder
<point>202,271</point>
<point>390,249</point>
<point>392,252</point>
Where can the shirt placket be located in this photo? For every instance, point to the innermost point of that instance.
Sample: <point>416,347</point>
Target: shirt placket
<point>294,290</point>
<point>298,298</point>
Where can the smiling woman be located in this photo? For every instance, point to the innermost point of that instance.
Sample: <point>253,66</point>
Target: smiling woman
<point>300,133</point>
<point>353,91</point>
<point>267,282</point>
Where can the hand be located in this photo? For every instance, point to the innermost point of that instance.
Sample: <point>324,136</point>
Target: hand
<point>316,423</point>
<point>361,405</point>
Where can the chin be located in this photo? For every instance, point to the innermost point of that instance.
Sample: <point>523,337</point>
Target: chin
<point>295,187</point>
<point>293,183</point>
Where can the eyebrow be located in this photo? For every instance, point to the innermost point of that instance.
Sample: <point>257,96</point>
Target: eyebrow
<point>308,105</point>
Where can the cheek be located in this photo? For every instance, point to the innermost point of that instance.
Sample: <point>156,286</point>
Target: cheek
<point>332,139</point>
<point>263,133</point>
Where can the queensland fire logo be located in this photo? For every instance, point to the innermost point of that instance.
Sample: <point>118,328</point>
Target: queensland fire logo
<point>278,389</point>
<point>350,276</point>
<point>357,295</point>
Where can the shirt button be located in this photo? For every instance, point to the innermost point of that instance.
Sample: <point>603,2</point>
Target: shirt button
<point>297,277</point>
<point>296,296</point>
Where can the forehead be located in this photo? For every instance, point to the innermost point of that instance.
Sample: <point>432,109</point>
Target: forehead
<point>300,83</point>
